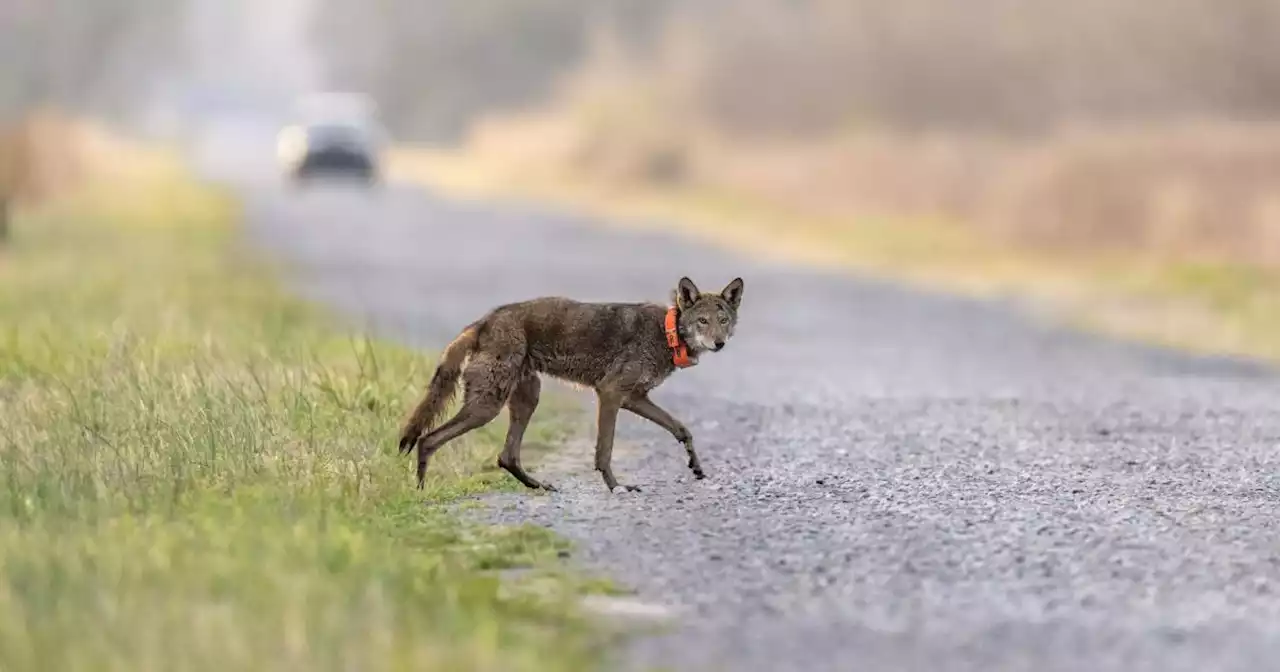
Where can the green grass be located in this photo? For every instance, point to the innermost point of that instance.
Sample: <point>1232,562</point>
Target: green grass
<point>200,474</point>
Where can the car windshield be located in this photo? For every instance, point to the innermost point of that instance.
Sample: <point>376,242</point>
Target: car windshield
<point>336,132</point>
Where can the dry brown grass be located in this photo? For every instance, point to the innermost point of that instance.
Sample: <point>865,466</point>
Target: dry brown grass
<point>49,154</point>
<point>1192,192</point>
<point>1189,191</point>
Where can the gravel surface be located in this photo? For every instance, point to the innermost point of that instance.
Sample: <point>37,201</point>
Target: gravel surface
<point>897,480</point>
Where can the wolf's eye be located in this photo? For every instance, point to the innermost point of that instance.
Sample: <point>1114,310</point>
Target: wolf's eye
<point>702,321</point>
<point>724,320</point>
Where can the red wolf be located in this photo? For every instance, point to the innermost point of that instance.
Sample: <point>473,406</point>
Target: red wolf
<point>620,350</point>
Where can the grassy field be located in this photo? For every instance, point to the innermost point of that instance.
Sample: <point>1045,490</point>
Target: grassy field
<point>1206,305</point>
<point>200,471</point>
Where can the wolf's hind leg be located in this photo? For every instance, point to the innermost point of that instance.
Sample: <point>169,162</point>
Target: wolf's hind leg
<point>520,407</point>
<point>489,382</point>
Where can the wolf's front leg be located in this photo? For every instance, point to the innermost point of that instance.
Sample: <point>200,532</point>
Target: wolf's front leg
<point>606,423</point>
<point>644,407</point>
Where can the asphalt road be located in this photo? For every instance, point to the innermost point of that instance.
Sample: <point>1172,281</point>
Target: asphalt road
<point>897,481</point>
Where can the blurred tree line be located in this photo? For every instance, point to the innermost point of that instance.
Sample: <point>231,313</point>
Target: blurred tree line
<point>435,65</point>
<point>787,66</point>
<point>71,56</point>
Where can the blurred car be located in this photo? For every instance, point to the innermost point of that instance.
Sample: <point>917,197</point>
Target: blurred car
<point>343,149</point>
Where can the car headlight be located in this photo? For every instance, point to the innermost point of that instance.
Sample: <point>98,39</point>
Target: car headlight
<point>291,144</point>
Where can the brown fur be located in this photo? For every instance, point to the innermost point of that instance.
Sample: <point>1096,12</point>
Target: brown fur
<point>617,349</point>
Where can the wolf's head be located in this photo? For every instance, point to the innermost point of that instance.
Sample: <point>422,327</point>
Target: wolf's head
<point>707,320</point>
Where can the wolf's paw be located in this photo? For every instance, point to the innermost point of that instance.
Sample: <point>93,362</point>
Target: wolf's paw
<point>407,443</point>
<point>619,489</point>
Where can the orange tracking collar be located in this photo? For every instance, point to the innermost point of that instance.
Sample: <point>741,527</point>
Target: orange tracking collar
<point>679,351</point>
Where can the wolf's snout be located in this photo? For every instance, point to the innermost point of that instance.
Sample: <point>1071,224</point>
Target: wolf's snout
<point>719,345</point>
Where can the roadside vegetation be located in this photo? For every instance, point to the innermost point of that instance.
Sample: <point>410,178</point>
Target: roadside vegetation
<point>200,472</point>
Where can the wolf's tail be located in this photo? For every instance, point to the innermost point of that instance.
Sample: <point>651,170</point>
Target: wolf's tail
<point>440,390</point>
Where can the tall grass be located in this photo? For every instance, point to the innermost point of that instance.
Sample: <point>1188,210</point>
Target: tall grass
<point>199,474</point>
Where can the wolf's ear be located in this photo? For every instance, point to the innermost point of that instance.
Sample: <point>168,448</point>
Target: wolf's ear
<point>732,293</point>
<point>686,293</point>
